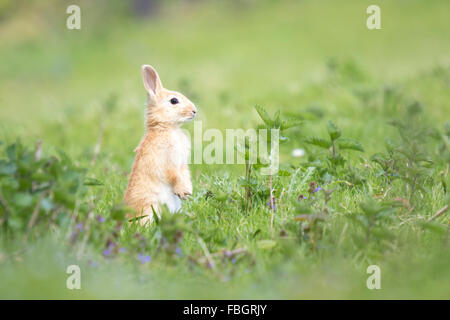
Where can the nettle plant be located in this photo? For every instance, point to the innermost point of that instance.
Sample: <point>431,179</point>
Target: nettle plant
<point>334,144</point>
<point>37,190</point>
<point>441,152</point>
<point>386,162</point>
<point>408,159</point>
<point>313,213</point>
<point>443,155</point>
<point>250,182</point>
<point>274,123</point>
<point>373,219</point>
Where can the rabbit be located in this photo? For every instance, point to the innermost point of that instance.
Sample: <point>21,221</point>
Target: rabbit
<point>160,174</point>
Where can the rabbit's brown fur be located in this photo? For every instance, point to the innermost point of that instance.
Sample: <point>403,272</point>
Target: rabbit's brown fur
<point>160,174</point>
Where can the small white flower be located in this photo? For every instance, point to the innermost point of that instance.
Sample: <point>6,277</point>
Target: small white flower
<point>297,153</point>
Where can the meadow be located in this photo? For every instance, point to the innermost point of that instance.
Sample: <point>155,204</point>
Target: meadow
<point>369,108</point>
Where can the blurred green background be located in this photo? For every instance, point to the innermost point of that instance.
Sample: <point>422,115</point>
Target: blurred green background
<point>225,55</point>
<point>313,59</point>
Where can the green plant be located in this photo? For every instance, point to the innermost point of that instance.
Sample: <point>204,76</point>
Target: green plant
<point>38,190</point>
<point>374,219</point>
<point>274,123</point>
<point>411,160</point>
<point>335,144</point>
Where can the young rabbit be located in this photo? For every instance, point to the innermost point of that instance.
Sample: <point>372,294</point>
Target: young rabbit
<point>160,174</point>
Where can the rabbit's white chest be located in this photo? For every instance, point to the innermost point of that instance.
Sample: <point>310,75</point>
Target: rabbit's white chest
<point>180,148</point>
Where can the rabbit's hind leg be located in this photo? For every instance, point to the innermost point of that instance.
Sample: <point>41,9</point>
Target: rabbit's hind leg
<point>145,211</point>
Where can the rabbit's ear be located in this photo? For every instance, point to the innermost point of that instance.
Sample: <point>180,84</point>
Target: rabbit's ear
<point>152,83</point>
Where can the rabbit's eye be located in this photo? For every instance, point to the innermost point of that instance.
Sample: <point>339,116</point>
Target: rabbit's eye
<point>174,101</point>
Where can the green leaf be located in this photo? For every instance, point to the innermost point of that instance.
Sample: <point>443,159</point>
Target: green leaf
<point>11,152</point>
<point>349,144</point>
<point>370,207</point>
<point>276,119</point>
<point>289,123</point>
<point>155,215</point>
<point>266,244</point>
<point>7,168</point>
<point>22,199</point>
<point>93,182</point>
<point>333,130</point>
<point>378,158</point>
<point>263,115</point>
<point>319,142</point>
<point>47,204</point>
<point>361,220</point>
<point>434,227</point>
<point>221,196</point>
<point>283,173</point>
<point>382,233</point>
<point>337,160</point>
<point>256,233</point>
<point>390,146</point>
<point>118,212</point>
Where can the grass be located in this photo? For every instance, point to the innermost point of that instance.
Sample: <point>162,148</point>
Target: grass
<point>314,60</point>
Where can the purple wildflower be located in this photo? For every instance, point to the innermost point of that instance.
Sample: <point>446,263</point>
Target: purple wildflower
<point>122,250</point>
<point>233,261</point>
<point>318,189</point>
<point>178,251</point>
<point>107,252</point>
<point>100,219</point>
<point>144,259</point>
<point>79,226</point>
<point>272,206</point>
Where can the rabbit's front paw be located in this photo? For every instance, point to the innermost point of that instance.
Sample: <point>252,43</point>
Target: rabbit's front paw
<point>182,192</point>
